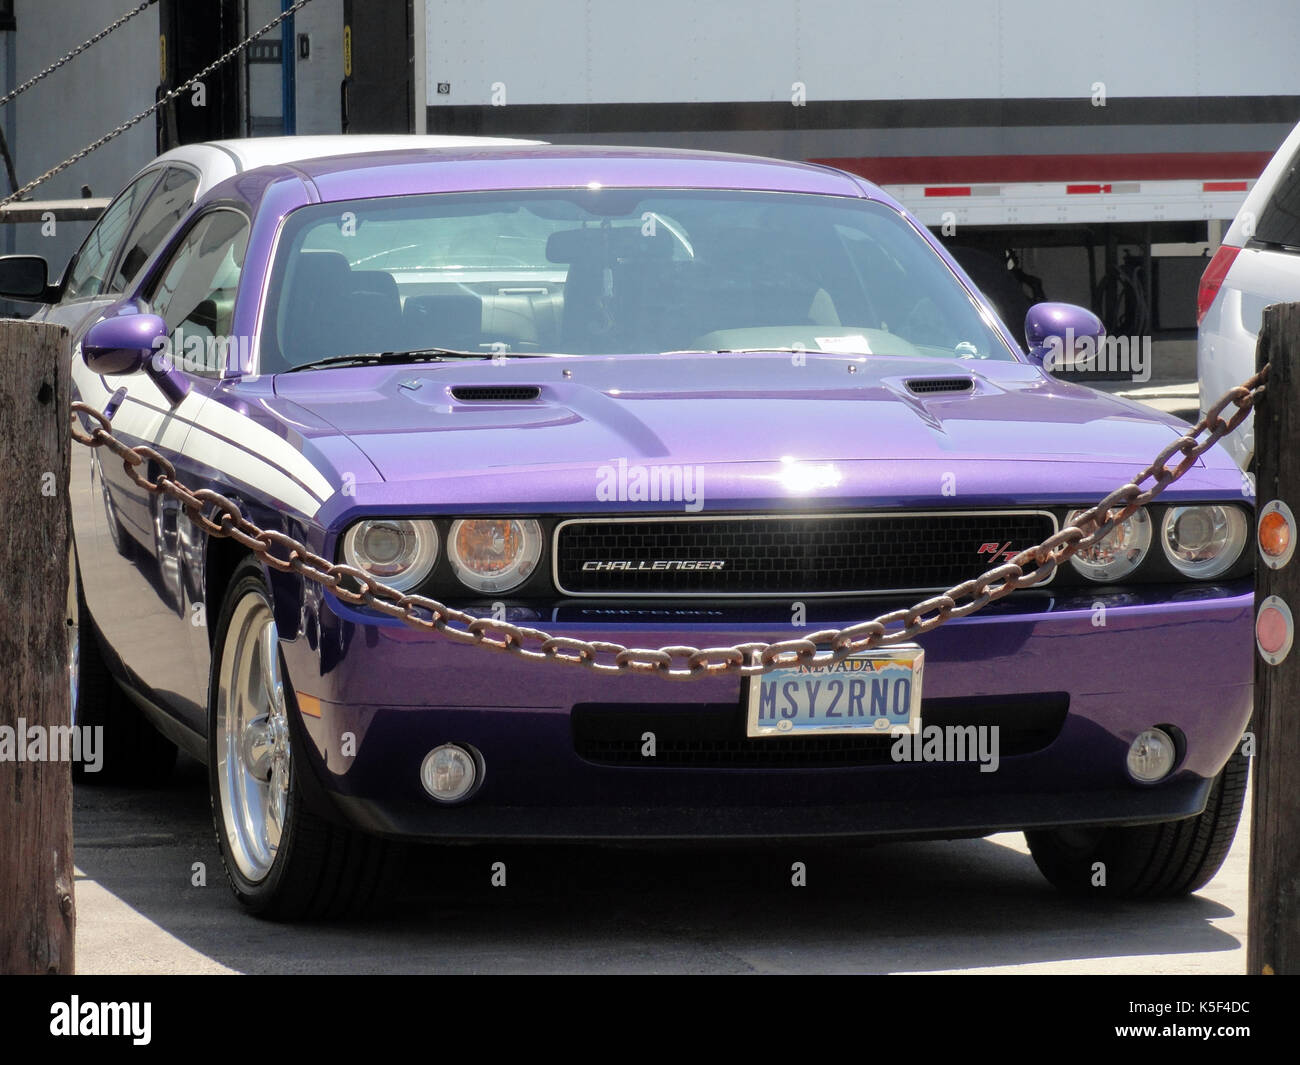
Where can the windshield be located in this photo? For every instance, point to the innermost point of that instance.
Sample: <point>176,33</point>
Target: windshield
<point>614,271</point>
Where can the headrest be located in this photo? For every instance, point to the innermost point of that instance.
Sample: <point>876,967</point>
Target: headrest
<point>320,269</point>
<point>607,245</point>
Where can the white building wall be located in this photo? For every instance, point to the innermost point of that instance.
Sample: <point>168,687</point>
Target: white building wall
<point>111,81</point>
<point>319,77</point>
<point>108,83</point>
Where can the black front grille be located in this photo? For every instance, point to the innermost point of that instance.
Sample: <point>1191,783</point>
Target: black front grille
<point>776,556</point>
<point>712,735</point>
<point>926,385</point>
<point>495,393</point>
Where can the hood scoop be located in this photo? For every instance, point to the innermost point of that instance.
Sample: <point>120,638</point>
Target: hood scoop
<point>495,393</point>
<point>929,386</point>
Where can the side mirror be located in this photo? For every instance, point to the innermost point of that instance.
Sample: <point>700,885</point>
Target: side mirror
<point>1062,336</point>
<point>124,343</point>
<point>127,341</point>
<point>24,277</point>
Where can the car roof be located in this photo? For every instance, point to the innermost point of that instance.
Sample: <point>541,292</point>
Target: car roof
<point>483,165</point>
<point>218,160</point>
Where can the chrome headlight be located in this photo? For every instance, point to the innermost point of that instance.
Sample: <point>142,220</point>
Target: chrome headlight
<point>395,551</point>
<point>1118,553</point>
<point>1203,541</point>
<point>494,554</point>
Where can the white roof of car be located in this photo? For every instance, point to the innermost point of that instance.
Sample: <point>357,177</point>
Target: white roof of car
<point>218,160</point>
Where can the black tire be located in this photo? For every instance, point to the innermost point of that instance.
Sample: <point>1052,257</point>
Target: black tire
<point>320,870</point>
<point>134,752</point>
<point>1169,859</point>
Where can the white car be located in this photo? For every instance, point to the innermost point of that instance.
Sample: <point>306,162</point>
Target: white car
<point>154,201</point>
<point>1257,264</point>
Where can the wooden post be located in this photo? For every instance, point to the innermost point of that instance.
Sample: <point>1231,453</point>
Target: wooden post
<point>1273,942</point>
<point>37,919</point>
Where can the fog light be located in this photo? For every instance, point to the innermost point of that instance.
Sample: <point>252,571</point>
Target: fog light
<point>1151,755</point>
<point>449,773</point>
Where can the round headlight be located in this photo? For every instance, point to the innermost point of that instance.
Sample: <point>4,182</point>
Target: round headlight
<point>395,551</point>
<point>1118,553</point>
<point>494,554</point>
<point>1203,541</point>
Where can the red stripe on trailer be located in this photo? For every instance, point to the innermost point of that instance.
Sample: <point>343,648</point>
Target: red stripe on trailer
<point>1224,186</point>
<point>1084,190</point>
<point>949,190</point>
<point>995,169</point>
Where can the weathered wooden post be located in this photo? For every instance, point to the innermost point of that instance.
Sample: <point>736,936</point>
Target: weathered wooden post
<point>1273,944</point>
<point>37,920</point>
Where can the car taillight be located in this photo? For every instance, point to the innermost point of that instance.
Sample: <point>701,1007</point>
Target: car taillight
<point>1212,279</point>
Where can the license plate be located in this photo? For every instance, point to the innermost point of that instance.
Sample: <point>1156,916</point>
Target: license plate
<point>875,691</point>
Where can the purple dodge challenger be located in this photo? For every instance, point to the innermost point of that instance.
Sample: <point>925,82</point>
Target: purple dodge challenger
<point>655,398</point>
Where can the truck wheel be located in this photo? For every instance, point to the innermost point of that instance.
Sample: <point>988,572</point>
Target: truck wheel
<point>283,861</point>
<point>1164,860</point>
<point>132,751</point>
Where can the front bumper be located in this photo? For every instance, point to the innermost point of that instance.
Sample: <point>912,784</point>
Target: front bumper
<point>386,695</point>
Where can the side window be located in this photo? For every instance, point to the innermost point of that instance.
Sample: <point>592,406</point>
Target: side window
<point>157,218</point>
<point>195,293</point>
<point>87,276</point>
<point>1279,221</point>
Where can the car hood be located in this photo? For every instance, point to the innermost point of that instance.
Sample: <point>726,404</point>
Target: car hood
<point>767,426</point>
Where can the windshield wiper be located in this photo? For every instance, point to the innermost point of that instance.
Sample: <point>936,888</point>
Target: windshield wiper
<point>371,358</point>
<point>761,351</point>
<point>735,351</point>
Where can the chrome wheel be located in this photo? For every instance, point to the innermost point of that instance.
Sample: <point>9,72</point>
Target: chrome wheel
<point>252,738</point>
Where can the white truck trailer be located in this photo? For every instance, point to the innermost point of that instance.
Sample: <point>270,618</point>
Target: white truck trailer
<point>1102,145</point>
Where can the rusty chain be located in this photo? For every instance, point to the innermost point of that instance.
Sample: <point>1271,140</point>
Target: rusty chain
<point>1030,567</point>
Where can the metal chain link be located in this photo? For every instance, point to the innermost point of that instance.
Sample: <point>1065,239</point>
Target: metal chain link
<point>160,102</point>
<point>221,517</point>
<point>76,52</point>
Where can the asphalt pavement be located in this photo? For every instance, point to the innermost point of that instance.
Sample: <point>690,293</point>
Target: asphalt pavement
<point>961,906</point>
